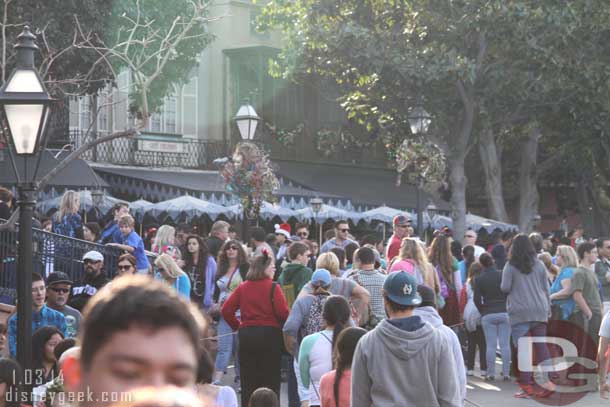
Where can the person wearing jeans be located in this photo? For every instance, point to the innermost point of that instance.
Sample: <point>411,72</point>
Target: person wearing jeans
<point>497,330</point>
<point>491,303</point>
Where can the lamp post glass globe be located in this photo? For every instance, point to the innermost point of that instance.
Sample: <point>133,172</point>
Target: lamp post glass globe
<point>316,205</point>
<point>24,100</point>
<point>247,120</point>
<point>419,120</point>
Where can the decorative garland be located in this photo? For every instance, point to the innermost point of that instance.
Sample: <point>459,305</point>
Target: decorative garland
<point>284,136</point>
<point>421,159</point>
<point>250,176</point>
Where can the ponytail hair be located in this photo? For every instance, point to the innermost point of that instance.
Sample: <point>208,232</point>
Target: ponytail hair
<point>344,354</point>
<point>336,312</point>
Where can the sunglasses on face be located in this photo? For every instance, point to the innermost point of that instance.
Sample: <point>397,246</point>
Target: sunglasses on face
<point>124,267</point>
<point>343,230</point>
<point>60,290</point>
<point>91,261</point>
<point>231,248</point>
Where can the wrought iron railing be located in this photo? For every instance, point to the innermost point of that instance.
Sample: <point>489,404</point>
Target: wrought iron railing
<point>199,154</point>
<point>51,252</point>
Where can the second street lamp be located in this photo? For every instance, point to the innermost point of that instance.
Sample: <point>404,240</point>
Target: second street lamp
<point>25,106</point>
<point>419,121</point>
<point>316,207</point>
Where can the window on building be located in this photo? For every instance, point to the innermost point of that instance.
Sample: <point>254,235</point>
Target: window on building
<point>84,109</point>
<point>155,122</point>
<point>169,114</point>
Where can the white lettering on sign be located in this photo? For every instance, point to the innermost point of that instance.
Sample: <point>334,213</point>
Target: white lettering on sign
<point>161,146</point>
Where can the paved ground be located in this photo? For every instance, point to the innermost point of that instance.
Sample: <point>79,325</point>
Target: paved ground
<point>490,394</point>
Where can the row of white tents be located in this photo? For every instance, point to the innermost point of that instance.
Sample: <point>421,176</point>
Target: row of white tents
<point>189,208</point>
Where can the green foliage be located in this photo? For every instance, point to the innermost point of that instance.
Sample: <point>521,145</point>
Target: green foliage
<point>159,23</point>
<point>53,21</point>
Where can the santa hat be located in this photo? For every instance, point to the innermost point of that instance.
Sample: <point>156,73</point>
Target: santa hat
<point>283,229</point>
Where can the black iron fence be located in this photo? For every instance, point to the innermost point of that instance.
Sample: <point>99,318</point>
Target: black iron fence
<point>51,252</point>
<point>152,150</point>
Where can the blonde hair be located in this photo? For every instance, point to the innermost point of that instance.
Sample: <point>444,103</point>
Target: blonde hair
<point>126,220</point>
<point>168,264</point>
<point>547,260</point>
<point>568,256</point>
<point>68,204</point>
<point>163,237</point>
<point>328,261</point>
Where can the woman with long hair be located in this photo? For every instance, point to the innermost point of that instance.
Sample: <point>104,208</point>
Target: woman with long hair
<point>67,221</point>
<point>335,385</point>
<point>201,269</point>
<point>316,350</point>
<point>561,290</point>
<point>173,275</point>
<point>525,282</point>
<point>126,265</point>
<point>491,303</point>
<point>232,270</point>
<point>10,379</point>
<point>551,270</point>
<point>467,260</point>
<point>472,322</point>
<point>413,260</point>
<point>44,362</point>
<point>449,279</point>
<point>164,242</point>
<point>263,310</point>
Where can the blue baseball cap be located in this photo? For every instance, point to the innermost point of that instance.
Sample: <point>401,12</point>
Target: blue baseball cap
<point>321,277</point>
<point>401,288</point>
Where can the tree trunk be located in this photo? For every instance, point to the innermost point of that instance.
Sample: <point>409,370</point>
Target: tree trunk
<point>457,177</point>
<point>492,167</point>
<point>528,178</point>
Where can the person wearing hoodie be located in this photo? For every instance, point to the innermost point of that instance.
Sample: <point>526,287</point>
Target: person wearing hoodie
<point>428,313</point>
<point>296,274</point>
<point>403,361</point>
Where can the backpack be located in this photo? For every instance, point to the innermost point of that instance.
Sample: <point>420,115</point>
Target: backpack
<point>315,319</point>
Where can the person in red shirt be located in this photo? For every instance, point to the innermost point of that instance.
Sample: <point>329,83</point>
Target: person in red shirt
<point>264,310</point>
<point>402,225</point>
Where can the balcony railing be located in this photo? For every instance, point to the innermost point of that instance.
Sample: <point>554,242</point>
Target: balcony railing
<point>51,252</point>
<point>150,150</point>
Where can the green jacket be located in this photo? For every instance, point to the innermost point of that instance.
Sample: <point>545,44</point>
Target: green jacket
<point>295,275</point>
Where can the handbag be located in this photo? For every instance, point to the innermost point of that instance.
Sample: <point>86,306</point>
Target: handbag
<point>271,297</point>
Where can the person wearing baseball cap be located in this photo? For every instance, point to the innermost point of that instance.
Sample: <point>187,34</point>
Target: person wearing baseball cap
<point>402,225</point>
<point>93,280</point>
<point>58,291</point>
<point>404,359</point>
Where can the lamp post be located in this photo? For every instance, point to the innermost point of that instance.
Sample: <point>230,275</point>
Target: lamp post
<point>25,107</point>
<point>316,207</point>
<point>246,120</point>
<point>419,121</point>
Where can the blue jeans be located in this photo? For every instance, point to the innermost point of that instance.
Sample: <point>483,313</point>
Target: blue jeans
<point>497,329</point>
<point>227,347</point>
<point>541,351</point>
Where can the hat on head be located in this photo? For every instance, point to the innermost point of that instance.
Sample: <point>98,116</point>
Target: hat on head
<point>93,256</point>
<point>428,298</point>
<point>321,278</point>
<point>401,220</point>
<point>401,288</point>
<point>283,229</point>
<point>58,277</point>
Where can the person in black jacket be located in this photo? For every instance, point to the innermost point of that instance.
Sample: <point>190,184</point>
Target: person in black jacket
<point>491,303</point>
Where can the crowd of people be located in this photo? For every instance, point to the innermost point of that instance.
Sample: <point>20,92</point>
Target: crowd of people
<point>353,322</point>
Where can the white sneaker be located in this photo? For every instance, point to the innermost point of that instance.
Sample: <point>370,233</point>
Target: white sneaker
<point>470,373</point>
<point>483,373</point>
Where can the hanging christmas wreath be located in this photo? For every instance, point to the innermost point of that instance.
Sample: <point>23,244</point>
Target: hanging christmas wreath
<point>250,176</point>
<point>420,159</point>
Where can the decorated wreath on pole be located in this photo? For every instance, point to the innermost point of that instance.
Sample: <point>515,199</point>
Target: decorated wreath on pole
<point>249,175</point>
<point>422,159</point>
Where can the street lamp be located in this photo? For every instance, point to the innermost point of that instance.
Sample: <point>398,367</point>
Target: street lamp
<point>316,207</point>
<point>247,120</point>
<point>419,121</point>
<point>25,104</point>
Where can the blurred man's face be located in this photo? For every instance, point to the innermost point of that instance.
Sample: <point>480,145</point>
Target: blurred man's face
<point>39,293</point>
<point>57,295</point>
<point>470,238</point>
<point>280,238</point>
<point>604,251</point>
<point>223,234</point>
<point>140,357</point>
<point>402,231</point>
<point>92,268</point>
<point>342,231</point>
<point>303,233</point>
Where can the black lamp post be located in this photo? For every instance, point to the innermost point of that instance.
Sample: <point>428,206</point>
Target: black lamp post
<point>419,121</point>
<point>24,103</point>
<point>246,120</point>
<point>316,207</point>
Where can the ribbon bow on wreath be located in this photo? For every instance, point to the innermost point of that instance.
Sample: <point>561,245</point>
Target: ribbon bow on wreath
<point>249,175</point>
